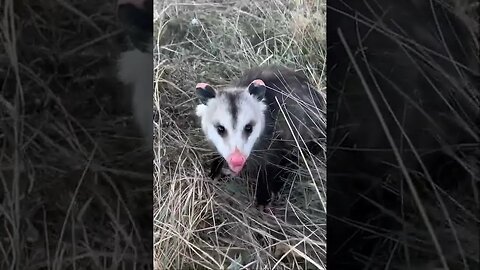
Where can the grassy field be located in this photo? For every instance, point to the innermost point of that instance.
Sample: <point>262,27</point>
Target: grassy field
<point>204,224</point>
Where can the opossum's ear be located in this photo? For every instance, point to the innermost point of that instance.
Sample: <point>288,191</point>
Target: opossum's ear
<point>257,89</point>
<point>204,92</point>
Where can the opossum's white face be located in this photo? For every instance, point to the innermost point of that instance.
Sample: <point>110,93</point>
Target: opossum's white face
<point>233,120</point>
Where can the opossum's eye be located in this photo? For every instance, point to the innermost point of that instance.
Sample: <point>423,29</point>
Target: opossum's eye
<point>220,130</point>
<point>248,128</point>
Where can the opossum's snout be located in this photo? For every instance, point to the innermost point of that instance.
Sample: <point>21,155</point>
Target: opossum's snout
<point>236,161</point>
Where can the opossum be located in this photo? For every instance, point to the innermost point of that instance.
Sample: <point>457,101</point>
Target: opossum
<point>135,66</point>
<point>260,120</point>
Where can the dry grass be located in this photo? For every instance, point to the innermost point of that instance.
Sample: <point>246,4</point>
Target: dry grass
<point>68,155</point>
<point>204,224</point>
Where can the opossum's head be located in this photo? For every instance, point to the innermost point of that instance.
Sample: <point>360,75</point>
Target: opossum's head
<point>233,119</point>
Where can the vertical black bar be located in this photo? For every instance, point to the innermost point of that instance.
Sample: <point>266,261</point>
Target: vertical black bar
<point>403,135</point>
<point>75,172</point>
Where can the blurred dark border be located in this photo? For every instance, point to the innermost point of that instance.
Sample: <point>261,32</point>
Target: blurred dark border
<point>420,58</point>
<point>76,175</point>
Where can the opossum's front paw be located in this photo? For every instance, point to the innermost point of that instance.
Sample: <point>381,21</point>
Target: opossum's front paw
<point>219,174</point>
<point>228,172</point>
<point>263,201</point>
<point>274,198</point>
<point>216,168</point>
<point>262,194</point>
<point>271,204</point>
<point>263,208</point>
<point>215,175</point>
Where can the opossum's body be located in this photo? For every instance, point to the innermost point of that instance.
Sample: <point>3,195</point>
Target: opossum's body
<point>135,66</point>
<point>289,115</point>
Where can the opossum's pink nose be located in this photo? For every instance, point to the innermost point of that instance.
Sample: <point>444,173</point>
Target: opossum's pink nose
<point>236,161</point>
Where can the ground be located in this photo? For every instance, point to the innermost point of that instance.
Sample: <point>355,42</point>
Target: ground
<point>204,224</point>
